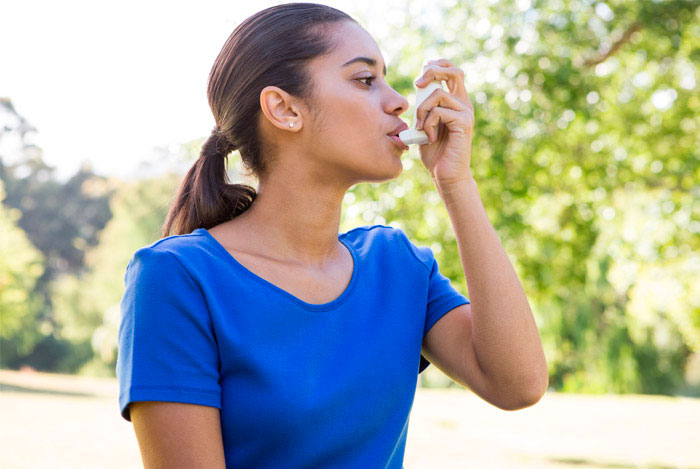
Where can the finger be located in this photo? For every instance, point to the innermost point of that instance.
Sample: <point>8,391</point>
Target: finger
<point>437,98</point>
<point>436,63</point>
<point>441,62</point>
<point>455,122</point>
<point>447,63</point>
<point>454,76</point>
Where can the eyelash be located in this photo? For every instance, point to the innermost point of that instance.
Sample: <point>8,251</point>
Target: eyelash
<point>368,78</point>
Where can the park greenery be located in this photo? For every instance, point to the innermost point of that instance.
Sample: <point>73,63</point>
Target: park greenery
<point>586,152</point>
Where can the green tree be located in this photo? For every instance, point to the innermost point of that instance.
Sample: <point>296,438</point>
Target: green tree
<point>61,218</point>
<point>586,155</point>
<point>586,118</point>
<point>86,306</point>
<point>21,264</point>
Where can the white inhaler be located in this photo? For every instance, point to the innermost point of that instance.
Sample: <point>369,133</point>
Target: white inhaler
<point>413,135</point>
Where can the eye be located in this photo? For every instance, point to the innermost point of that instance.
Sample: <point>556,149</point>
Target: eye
<point>368,78</point>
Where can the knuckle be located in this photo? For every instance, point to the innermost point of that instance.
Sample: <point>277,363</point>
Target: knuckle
<point>457,71</point>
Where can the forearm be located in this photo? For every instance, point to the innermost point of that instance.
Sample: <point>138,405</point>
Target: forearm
<point>505,336</point>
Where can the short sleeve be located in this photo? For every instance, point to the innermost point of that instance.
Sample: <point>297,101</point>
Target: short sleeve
<point>167,349</point>
<point>442,296</point>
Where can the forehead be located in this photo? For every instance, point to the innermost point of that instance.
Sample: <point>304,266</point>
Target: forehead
<point>353,41</point>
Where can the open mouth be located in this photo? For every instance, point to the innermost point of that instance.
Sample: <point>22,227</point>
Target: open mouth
<point>397,141</point>
<point>393,134</point>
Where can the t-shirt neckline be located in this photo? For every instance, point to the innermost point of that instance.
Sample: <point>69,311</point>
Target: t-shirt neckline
<point>309,306</point>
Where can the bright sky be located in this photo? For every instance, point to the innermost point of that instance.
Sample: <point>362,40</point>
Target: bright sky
<point>109,81</point>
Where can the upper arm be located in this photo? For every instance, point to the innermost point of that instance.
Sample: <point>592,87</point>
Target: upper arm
<point>449,345</point>
<point>178,435</point>
<point>167,344</point>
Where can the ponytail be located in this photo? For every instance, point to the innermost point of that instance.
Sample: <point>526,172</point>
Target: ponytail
<point>206,196</point>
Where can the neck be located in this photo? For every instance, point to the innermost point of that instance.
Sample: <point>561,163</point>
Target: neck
<point>296,220</point>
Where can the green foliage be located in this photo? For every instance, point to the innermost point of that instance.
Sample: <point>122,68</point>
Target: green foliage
<point>60,219</point>
<point>21,264</point>
<point>86,307</point>
<point>586,155</point>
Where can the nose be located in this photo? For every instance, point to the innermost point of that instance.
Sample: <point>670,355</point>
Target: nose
<point>396,103</point>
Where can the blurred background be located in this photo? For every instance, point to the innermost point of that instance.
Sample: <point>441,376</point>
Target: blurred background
<point>586,150</point>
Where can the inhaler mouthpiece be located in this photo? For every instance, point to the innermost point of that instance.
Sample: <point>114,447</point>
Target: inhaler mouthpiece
<point>414,136</point>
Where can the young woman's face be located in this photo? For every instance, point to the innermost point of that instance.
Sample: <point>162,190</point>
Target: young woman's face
<point>356,109</point>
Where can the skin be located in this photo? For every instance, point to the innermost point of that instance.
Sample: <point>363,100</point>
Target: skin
<point>290,234</point>
<point>338,143</point>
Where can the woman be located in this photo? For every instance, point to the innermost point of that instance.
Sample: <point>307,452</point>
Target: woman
<point>256,335</point>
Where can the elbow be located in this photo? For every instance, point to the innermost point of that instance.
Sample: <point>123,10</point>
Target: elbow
<point>535,387</point>
<point>528,396</point>
<point>536,395</point>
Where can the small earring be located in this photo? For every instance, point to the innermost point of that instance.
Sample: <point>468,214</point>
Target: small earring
<point>291,124</point>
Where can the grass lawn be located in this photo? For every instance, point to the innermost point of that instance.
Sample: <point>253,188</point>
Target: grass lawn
<point>61,421</point>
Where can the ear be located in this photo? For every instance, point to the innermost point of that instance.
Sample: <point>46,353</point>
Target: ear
<point>280,108</point>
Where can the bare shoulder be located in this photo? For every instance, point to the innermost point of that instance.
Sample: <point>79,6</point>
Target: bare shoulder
<point>227,231</point>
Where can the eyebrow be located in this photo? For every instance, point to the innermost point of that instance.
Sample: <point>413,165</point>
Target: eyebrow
<point>369,61</point>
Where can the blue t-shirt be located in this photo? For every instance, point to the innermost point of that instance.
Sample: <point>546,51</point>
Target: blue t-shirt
<point>297,384</point>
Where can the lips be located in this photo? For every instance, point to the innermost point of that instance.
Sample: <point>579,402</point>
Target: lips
<point>394,135</point>
<point>397,141</point>
<point>399,128</point>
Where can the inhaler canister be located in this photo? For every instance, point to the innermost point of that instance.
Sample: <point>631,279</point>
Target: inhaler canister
<point>413,135</point>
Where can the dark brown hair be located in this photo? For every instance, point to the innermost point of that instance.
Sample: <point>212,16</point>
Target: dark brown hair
<point>270,48</point>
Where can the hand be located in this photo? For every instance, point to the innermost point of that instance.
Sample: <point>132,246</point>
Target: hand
<point>446,155</point>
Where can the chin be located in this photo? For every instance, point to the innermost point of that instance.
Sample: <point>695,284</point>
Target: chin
<point>393,171</point>
<point>379,166</point>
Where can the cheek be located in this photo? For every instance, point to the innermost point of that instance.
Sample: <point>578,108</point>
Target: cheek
<point>348,123</point>
<point>354,110</point>
<point>362,128</point>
